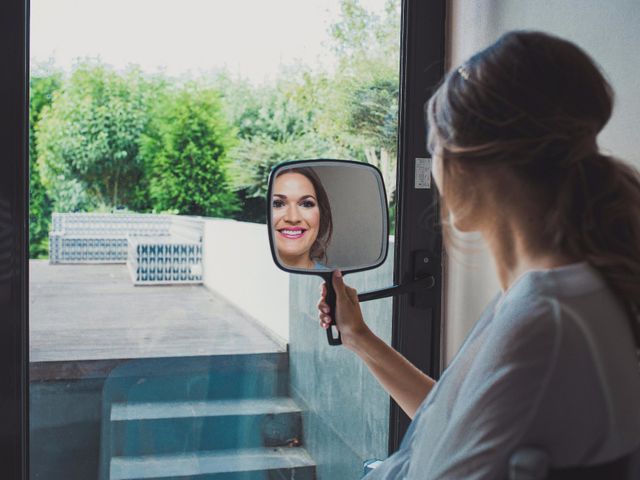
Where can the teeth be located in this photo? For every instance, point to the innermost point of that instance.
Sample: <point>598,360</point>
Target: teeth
<point>292,232</point>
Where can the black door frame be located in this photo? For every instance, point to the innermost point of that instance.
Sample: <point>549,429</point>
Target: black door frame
<point>417,325</point>
<point>14,273</point>
<point>418,249</point>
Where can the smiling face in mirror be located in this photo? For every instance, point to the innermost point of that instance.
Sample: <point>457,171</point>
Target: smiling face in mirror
<point>327,214</point>
<point>301,218</point>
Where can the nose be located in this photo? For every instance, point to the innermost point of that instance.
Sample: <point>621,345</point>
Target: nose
<point>292,215</point>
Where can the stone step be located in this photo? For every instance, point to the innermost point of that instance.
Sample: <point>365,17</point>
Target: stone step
<point>188,379</point>
<point>179,427</point>
<point>199,378</point>
<point>242,464</point>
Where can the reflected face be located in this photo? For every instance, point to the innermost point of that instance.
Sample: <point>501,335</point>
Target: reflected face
<point>296,218</point>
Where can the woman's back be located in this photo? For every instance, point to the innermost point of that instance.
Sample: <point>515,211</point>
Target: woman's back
<point>596,383</point>
<point>550,364</point>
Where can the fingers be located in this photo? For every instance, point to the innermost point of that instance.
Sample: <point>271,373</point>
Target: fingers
<point>344,293</point>
<point>322,303</point>
<point>323,307</point>
<point>325,320</point>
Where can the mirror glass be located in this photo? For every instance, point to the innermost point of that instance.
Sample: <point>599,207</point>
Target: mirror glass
<point>326,215</point>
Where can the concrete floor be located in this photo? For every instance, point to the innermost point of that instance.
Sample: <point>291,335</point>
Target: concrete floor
<point>93,312</point>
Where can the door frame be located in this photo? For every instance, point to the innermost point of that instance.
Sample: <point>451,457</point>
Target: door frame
<point>417,322</point>
<point>14,272</point>
<point>417,318</point>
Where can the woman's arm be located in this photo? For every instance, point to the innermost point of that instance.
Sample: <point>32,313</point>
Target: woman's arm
<point>407,385</point>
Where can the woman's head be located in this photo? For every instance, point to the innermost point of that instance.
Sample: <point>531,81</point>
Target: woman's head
<point>301,217</point>
<point>516,125</point>
<point>529,106</point>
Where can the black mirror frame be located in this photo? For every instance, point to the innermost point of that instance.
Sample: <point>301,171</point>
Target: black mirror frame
<point>302,163</point>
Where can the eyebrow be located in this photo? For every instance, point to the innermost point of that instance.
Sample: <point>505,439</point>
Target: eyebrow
<point>280,195</point>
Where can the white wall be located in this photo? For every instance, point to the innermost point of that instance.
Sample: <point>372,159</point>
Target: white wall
<point>610,32</point>
<point>238,265</point>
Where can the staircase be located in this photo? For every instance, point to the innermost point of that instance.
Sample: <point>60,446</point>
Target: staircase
<point>225,417</point>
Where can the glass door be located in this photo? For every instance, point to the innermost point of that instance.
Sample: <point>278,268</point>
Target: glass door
<point>135,387</point>
<point>163,342</point>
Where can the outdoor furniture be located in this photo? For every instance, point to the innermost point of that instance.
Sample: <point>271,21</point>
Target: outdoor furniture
<point>158,249</point>
<point>176,258</point>
<point>100,237</point>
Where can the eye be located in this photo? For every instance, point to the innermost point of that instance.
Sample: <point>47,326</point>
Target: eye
<point>308,203</point>
<point>277,203</point>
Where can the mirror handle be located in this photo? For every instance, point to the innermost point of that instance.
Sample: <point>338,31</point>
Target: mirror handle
<point>414,286</point>
<point>331,301</point>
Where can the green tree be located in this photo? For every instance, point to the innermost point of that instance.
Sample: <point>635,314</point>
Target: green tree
<point>274,124</point>
<point>88,140</point>
<point>256,157</point>
<point>185,150</point>
<point>272,111</point>
<point>361,37</point>
<point>366,85</point>
<point>43,83</point>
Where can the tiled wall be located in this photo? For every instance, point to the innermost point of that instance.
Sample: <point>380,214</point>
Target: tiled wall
<point>346,412</point>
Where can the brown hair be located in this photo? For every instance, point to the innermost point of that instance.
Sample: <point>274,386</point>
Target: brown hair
<point>318,250</point>
<point>534,104</point>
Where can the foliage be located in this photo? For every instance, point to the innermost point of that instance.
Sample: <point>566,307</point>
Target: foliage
<point>255,158</point>
<point>360,36</point>
<point>109,140</point>
<point>42,87</point>
<point>185,151</point>
<point>351,113</point>
<point>269,112</point>
<point>274,125</point>
<point>374,112</point>
<point>88,140</point>
<point>366,103</point>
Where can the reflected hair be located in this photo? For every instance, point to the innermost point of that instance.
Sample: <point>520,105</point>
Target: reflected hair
<point>532,105</point>
<point>318,250</point>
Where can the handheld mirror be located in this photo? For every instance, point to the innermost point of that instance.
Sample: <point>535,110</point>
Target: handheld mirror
<point>327,215</point>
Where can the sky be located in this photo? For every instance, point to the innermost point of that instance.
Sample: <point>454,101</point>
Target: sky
<point>251,39</point>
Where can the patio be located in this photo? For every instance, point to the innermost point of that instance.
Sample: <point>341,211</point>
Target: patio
<point>93,312</point>
<point>97,341</point>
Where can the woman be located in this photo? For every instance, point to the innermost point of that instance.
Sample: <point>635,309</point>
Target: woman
<point>551,362</point>
<point>301,218</point>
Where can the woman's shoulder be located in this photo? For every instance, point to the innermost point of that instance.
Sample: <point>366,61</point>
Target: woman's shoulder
<point>527,312</point>
<point>563,323</point>
<point>551,317</point>
<point>543,295</point>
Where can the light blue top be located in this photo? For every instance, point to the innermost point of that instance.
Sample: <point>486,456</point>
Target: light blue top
<point>550,364</point>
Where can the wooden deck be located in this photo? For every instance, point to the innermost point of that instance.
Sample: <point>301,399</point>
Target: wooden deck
<point>93,312</point>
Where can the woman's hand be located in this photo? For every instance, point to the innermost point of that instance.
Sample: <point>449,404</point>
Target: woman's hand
<point>348,315</point>
<point>405,383</point>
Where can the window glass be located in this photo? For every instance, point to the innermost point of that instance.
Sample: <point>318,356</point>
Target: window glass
<point>164,343</point>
